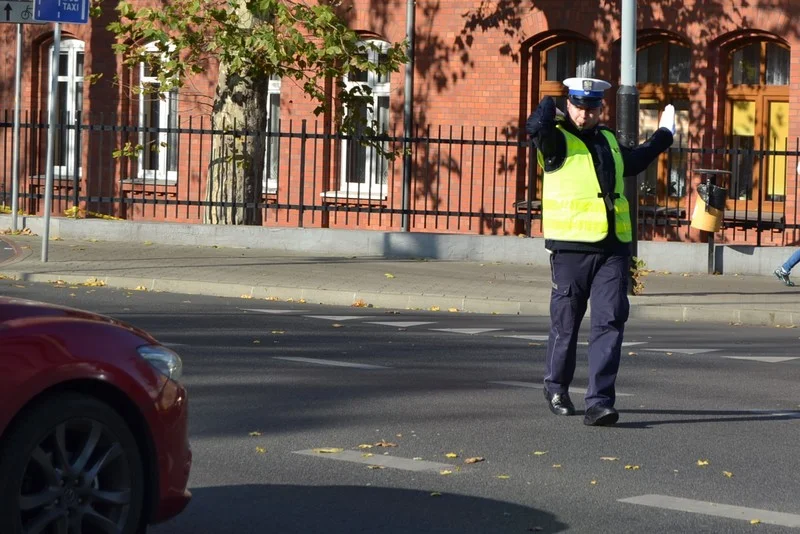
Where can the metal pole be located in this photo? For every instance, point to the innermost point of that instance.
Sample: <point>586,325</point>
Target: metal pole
<point>408,115</point>
<point>15,150</point>
<point>628,113</point>
<point>51,138</point>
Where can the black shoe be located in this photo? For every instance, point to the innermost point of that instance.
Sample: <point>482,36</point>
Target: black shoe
<point>783,276</point>
<point>559,403</point>
<point>600,416</point>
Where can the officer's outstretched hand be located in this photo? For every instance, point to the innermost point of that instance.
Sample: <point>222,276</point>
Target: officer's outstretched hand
<point>542,118</point>
<point>668,119</point>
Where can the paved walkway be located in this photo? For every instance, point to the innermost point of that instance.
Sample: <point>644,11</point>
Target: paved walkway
<point>466,286</point>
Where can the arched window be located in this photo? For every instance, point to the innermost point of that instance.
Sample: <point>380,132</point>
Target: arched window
<point>68,103</point>
<point>757,117</point>
<point>158,125</point>
<point>364,169</point>
<point>663,70</point>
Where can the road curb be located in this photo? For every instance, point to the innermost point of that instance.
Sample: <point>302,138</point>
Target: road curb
<point>696,314</point>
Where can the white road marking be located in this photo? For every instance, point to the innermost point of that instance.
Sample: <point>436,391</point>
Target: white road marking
<point>772,413</point>
<point>401,324</point>
<point>331,363</point>
<point>715,509</point>
<point>529,338</point>
<point>272,311</point>
<point>624,343</point>
<point>767,359</point>
<point>386,461</point>
<point>467,331</point>
<point>538,385</point>
<point>684,351</point>
<point>338,317</point>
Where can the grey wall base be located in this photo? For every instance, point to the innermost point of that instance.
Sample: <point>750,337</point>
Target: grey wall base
<point>661,256</point>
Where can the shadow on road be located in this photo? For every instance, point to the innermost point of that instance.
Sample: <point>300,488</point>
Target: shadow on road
<point>346,509</point>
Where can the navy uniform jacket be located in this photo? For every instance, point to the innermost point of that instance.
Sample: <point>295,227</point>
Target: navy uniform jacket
<point>541,127</point>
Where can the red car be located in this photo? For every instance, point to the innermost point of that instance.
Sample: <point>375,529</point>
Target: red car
<point>93,424</point>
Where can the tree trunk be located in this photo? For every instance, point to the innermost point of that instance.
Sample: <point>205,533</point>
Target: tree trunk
<point>236,169</point>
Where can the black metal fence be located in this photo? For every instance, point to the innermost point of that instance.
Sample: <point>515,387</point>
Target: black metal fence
<point>468,180</point>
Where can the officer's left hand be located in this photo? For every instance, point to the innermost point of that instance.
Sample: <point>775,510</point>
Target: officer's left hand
<point>668,119</point>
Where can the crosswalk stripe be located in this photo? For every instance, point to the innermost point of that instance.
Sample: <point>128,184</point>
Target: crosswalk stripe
<point>767,359</point>
<point>624,343</point>
<point>386,461</point>
<point>331,363</point>
<point>401,324</point>
<point>338,317</point>
<point>715,509</point>
<point>468,331</point>
<point>684,351</point>
<point>538,385</point>
<point>529,338</point>
<point>272,310</point>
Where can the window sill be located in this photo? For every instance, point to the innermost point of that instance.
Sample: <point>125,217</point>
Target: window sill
<point>148,182</point>
<point>344,196</point>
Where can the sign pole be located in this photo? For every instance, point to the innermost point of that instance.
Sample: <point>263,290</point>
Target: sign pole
<point>17,103</point>
<point>51,138</point>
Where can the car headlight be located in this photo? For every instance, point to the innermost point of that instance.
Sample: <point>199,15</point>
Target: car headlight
<point>164,360</point>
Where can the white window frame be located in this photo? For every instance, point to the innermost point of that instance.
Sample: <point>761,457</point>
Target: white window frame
<point>373,186</point>
<point>74,102</point>
<point>165,108</point>
<point>272,146</point>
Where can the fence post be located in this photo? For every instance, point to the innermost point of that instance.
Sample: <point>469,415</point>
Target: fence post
<point>301,201</point>
<point>76,171</point>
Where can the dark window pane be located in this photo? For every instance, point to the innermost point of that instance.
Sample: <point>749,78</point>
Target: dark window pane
<point>777,65</point>
<point>585,60</point>
<point>745,64</point>
<point>679,63</point>
<point>63,63</point>
<point>556,63</point>
<point>650,64</point>
<point>172,136</point>
<point>79,64</point>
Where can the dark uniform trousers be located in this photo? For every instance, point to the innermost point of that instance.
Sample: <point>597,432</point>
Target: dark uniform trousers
<point>600,279</point>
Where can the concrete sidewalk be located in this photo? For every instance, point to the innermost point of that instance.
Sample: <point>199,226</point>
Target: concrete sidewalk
<point>415,284</point>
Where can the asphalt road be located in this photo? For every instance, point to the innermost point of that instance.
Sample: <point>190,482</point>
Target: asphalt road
<point>706,442</point>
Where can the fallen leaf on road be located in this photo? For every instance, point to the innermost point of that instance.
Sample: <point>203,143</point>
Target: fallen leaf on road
<point>435,494</point>
<point>755,521</point>
<point>360,303</point>
<point>367,455</point>
<point>388,275</point>
<point>503,477</point>
<point>557,466</point>
<point>435,308</point>
<point>445,472</point>
<point>702,463</point>
<point>254,433</point>
<point>93,282</point>
<point>140,288</point>
<point>609,458</point>
<point>632,467</point>
<point>452,310</point>
<point>451,455</point>
<point>365,446</point>
<point>474,460</point>
<point>327,450</point>
<point>336,325</point>
<point>727,474</point>
<point>247,296</point>
<point>261,450</point>
<point>539,453</point>
<point>417,458</point>
<point>593,482</point>
<point>383,443</point>
<point>273,299</point>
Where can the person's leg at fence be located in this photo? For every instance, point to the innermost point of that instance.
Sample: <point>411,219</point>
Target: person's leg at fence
<point>782,272</point>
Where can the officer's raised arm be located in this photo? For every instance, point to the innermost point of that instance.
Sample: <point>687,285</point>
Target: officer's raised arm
<point>541,128</point>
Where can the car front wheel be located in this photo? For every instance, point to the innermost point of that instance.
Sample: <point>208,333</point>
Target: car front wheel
<point>71,466</point>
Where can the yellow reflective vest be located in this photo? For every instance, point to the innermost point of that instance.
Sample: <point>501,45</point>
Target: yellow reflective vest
<point>572,208</point>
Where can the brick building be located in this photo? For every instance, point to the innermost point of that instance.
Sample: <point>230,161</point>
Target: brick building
<point>731,68</point>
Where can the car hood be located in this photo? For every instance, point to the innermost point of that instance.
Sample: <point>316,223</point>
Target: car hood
<point>16,309</point>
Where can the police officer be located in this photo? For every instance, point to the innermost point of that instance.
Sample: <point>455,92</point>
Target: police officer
<point>587,229</point>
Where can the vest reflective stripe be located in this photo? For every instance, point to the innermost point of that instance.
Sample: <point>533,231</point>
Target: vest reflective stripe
<point>571,209</point>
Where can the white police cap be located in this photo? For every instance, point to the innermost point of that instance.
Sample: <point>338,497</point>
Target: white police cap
<point>586,92</point>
